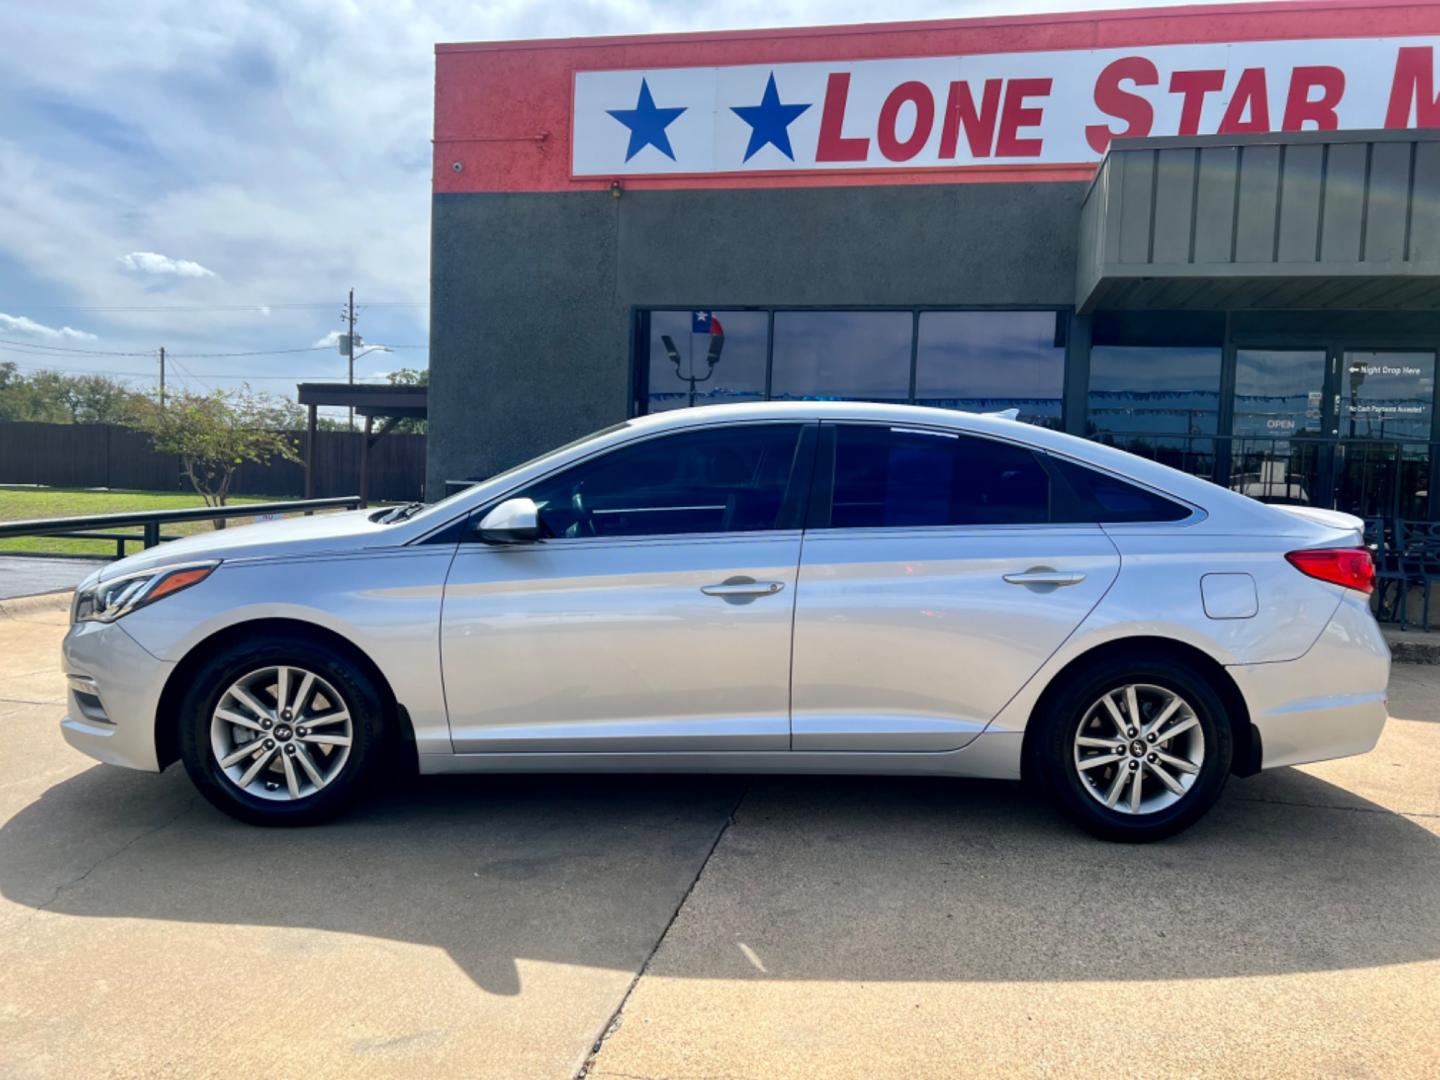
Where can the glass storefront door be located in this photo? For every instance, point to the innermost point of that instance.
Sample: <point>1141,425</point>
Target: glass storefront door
<point>1385,400</point>
<point>1279,452</point>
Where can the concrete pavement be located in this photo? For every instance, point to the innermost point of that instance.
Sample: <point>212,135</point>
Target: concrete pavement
<point>848,927</point>
<point>863,928</point>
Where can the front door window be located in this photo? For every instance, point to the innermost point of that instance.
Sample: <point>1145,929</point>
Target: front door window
<point>710,480</point>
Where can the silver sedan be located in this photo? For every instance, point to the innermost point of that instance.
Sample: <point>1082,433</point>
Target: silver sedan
<point>799,587</point>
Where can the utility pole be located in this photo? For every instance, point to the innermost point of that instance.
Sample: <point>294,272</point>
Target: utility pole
<point>350,315</point>
<point>162,376</point>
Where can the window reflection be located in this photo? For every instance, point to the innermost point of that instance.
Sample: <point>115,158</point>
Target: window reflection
<point>682,344</point>
<point>842,355</point>
<point>985,361</point>
<point>1154,400</point>
<point>1279,397</point>
<point>1385,403</point>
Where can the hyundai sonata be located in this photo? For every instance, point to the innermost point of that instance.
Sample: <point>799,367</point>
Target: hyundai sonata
<point>799,587</point>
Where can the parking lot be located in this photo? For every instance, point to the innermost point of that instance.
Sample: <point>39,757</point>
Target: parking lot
<point>713,926</point>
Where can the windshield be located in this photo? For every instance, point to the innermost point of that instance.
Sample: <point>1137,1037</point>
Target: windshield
<point>438,508</point>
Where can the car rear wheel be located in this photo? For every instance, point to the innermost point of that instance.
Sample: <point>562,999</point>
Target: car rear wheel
<point>1135,750</point>
<point>281,732</point>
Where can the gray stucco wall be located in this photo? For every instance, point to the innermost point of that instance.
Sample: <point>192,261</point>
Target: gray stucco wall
<point>531,294</point>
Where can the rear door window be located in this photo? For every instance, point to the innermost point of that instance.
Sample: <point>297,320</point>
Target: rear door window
<point>896,477</point>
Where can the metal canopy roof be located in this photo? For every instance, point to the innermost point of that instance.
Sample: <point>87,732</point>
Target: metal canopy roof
<point>1302,220</point>
<point>401,402</point>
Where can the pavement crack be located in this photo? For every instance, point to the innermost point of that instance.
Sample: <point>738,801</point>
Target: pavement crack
<point>613,1022</point>
<point>61,889</point>
<point>1331,806</point>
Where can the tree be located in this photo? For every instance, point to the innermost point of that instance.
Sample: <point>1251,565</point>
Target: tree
<point>410,377</point>
<point>214,434</point>
<point>60,398</point>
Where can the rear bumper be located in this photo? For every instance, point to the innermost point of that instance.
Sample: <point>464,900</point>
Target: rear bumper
<point>113,695</point>
<point>1329,703</point>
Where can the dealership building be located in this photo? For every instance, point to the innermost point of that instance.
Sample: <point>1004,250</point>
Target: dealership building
<point>1210,235</point>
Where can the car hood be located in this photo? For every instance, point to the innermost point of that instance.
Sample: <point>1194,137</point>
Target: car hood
<point>314,535</point>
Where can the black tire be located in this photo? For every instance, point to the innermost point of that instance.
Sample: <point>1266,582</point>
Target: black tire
<point>370,747</point>
<point>1053,750</point>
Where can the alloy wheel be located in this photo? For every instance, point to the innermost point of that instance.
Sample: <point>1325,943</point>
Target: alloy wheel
<point>1139,749</point>
<point>281,733</point>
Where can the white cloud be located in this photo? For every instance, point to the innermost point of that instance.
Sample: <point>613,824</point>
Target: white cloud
<point>328,341</point>
<point>288,144</point>
<point>19,324</point>
<point>150,262</point>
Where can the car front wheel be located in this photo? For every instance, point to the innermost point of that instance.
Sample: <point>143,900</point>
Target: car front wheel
<point>1135,750</point>
<point>281,732</point>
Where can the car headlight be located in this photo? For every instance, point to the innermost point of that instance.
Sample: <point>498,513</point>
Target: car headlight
<point>106,601</point>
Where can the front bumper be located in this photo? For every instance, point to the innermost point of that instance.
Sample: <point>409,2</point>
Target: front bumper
<point>1329,703</point>
<point>113,695</point>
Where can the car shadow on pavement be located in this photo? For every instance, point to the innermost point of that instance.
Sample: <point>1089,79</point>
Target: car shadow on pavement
<point>852,878</point>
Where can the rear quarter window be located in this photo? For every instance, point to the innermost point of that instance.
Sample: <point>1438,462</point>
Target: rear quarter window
<point>1100,497</point>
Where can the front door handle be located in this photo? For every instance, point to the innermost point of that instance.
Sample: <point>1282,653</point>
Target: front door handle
<point>743,588</point>
<point>1043,575</point>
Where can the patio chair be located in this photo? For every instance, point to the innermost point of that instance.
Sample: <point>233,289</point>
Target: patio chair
<point>1380,538</point>
<point>1419,545</point>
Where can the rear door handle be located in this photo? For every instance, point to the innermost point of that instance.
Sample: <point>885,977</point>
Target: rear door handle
<point>1042,575</point>
<point>743,588</point>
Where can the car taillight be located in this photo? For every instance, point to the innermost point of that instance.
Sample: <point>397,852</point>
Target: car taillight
<point>1350,567</point>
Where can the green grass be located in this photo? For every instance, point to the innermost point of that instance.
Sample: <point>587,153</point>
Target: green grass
<point>24,503</point>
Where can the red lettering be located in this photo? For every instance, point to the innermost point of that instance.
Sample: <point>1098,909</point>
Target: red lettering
<point>833,146</point>
<point>1250,95</point>
<point>1298,106</point>
<point>1137,112</point>
<point>891,145</point>
<point>1015,114</point>
<point>1193,86</point>
<point>979,125</point>
<point>1413,89</point>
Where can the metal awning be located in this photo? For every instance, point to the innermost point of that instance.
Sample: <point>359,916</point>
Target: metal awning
<point>1304,220</point>
<point>401,402</point>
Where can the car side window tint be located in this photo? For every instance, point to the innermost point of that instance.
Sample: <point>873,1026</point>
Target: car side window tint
<point>1100,497</point>
<point>722,479</point>
<point>889,477</point>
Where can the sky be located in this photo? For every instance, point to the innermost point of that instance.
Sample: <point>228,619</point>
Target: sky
<point>212,177</point>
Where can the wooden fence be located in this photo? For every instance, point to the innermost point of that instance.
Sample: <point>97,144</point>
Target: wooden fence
<point>109,456</point>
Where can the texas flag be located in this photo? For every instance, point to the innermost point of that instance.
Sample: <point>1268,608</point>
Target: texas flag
<point>706,322</point>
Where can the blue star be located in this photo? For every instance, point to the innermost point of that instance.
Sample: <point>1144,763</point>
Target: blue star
<point>769,121</point>
<point>647,124</point>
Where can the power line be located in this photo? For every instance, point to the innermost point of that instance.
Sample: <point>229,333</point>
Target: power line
<point>35,346</point>
<point>221,307</point>
<point>241,375</point>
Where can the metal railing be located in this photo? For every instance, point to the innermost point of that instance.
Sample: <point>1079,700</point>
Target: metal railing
<point>1368,477</point>
<point>150,521</point>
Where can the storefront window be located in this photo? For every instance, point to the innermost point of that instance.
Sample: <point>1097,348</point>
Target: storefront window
<point>842,355</point>
<point>1157,401</point>
<point>985,361</point>
<point>706,358</point>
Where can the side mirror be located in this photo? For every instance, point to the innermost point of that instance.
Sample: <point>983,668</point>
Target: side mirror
<point>514,521</point>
